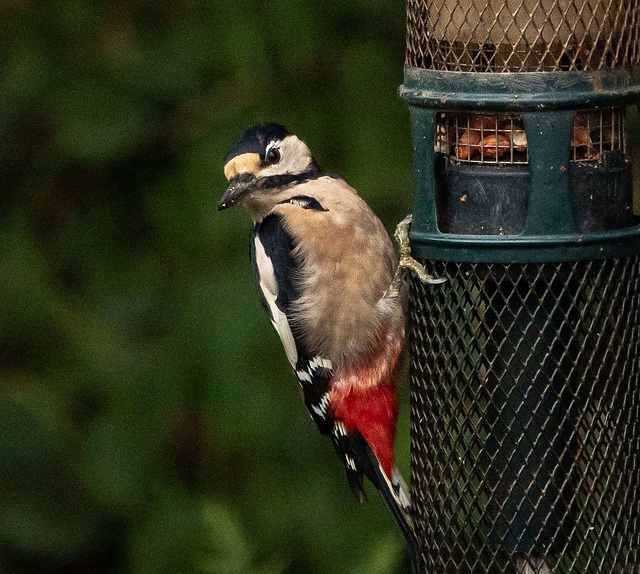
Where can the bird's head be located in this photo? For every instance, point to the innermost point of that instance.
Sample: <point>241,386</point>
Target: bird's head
<point>264,159</point>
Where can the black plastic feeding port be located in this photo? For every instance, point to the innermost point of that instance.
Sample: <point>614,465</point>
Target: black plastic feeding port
<point>481,200</point>
<point>525,364</point>
<point>492,200</point>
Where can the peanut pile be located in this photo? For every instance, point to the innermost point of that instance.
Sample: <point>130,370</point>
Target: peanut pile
<point>493,137</point>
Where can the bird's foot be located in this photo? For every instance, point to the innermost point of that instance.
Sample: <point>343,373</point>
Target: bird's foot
<point>402,236</point>
<point>407,262</point>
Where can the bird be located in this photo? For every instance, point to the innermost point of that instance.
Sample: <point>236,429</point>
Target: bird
<point>327,276</point>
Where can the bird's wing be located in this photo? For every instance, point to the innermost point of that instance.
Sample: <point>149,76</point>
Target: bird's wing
<point>274,268</point>
<point>275,271</point>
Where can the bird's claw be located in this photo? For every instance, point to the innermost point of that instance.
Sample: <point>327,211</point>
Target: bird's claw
<point>407,262</point>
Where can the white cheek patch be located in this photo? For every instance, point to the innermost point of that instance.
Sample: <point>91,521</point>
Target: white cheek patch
<point>269,287</point>
<point>295,158</point>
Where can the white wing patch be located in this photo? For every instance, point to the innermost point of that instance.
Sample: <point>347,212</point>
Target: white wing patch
<point>320,362</point>
<point>304,376</point>
<point>350,462</point>
<point>321,408</point>
<point>339,429</point>
<point>269,288</point>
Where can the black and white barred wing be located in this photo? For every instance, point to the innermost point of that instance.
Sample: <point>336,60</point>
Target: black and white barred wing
<point>275,271</point>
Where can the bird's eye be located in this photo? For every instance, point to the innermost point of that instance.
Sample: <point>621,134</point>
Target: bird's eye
<point>273,155</point>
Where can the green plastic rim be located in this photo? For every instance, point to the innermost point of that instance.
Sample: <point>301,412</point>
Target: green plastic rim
<point>521,90</point>
<point>517,249</point>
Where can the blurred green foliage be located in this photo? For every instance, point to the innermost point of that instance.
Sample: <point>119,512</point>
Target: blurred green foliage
<point>149,422</point>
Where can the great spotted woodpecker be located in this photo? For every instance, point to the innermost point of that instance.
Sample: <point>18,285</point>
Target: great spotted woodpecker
<point>326,272</point>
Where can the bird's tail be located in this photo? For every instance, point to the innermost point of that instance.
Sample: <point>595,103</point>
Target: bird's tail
<point>393,489</point>
<point>395,494</point>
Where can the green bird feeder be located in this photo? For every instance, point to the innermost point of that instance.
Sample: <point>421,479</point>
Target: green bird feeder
<point>525,364</point>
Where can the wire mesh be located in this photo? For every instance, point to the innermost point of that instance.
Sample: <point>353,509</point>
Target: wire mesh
<point>522,35</point>
<point>597,131</point>
<point>482,138</point>
<point>501,139</point>
<point>526,417</point>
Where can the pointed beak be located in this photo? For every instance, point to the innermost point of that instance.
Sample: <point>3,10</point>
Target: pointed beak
<point>238,187</point>
<point>240,171</point>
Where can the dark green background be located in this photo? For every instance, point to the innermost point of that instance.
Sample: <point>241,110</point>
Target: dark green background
<point>149,422</point>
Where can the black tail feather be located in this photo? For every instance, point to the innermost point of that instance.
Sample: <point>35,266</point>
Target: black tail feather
<point>400,513</point>
<point>354,479</point>
<point>394,492</point>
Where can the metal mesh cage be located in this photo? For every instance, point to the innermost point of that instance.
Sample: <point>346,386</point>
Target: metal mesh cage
<point>597,131</point>
<point>526,417</point>
<point>482,138</point>
<point>522,35</point>
<point>473,137</point>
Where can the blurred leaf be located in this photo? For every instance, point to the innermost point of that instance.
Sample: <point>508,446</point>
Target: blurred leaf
<point>27,450</point>
<point>227,551</point>
<point>384,558</point>
<point>49,530</point>
<point>115,465</point>
<point>97,121</point>
<point>165,538</point>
